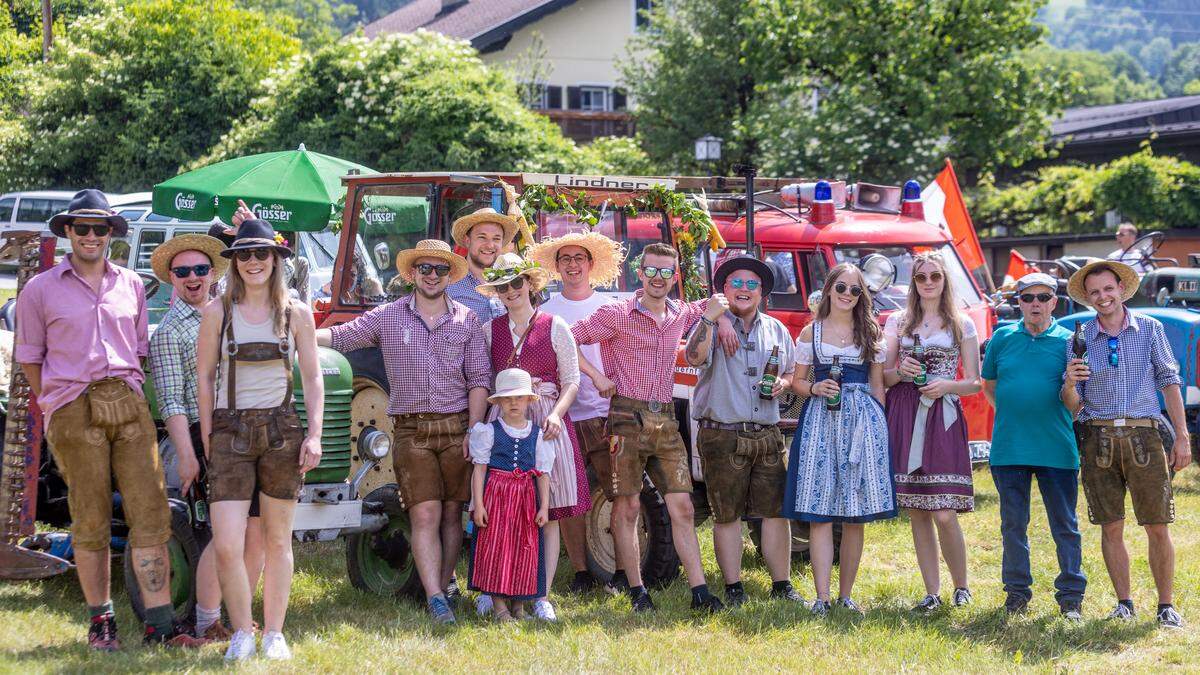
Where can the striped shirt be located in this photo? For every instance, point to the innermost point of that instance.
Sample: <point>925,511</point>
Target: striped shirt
<point>485,308</point>
<point>1145,366</point>
<point>173,361</point>
<point>638,352</point>
<point>428,371</point>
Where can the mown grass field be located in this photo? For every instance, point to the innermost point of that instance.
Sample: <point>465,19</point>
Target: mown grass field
<point>333,628</point>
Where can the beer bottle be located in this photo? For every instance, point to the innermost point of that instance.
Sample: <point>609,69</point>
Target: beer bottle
<point>199,504</point>
<point>1079,343</point>
<point>835,373</point>
<point>770,375</point>
<point>919,355</point>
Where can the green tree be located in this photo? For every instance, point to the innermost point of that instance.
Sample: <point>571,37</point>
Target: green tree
<point>1183,68</point>
<point>17,51</point>
<point>619,155</point>
<point>135,91</point>
<point>1094,78</point>
<point>878,89</point>
<point>409,102</point>
<point>315,22</point>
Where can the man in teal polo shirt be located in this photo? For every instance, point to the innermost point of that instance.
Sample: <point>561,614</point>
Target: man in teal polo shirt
<point>1022,377</point>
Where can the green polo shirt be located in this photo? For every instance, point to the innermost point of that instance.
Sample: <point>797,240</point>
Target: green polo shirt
<point>1033,427</point>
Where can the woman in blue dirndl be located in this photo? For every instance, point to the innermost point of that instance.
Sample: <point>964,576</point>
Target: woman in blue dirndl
<point>839,467</point>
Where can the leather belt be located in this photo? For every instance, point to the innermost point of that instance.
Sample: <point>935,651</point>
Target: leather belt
<point>1124,422</point>
<point>738,426</point>
<point>656,407</point>
<point>429,416</point>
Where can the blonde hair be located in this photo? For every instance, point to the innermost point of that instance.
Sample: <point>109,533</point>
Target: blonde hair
<point>866,330</point>
<point>948,310</point>
<point>235,289</point>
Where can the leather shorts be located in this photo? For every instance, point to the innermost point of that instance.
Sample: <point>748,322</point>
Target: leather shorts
<point>251,448</point>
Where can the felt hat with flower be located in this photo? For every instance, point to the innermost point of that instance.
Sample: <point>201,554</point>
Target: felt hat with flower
<point>509,266</point>
<point>254,234</point>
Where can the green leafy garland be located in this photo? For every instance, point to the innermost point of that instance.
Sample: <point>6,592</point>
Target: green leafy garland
<point>690,224</point>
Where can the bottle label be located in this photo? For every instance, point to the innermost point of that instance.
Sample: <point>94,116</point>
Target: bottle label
<point>201,509</point>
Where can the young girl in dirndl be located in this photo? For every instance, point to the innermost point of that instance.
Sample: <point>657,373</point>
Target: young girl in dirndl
<point>510,491</point>
<point>926,425</point>
<point>839,469</point>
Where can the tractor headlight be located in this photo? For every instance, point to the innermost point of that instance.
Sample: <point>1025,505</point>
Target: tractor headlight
<point>374,443</point>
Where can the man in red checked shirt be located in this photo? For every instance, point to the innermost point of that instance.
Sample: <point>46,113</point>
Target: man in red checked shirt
<point>638,339</point>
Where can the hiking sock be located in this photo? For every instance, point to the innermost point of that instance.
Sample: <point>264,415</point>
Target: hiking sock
<point>1165,605</point>
<point>735,587</point>
<point>205,618</point>
<point>618,579</point>
<point>700,593</point>
<point>161,619</point>
<point>1127,602</point>
<point>635,592</point>
<point>100,610</point>
<point>780,586</point>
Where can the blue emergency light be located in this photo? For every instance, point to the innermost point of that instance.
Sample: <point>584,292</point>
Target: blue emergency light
<point>912,190</point>
<point>822,192</point>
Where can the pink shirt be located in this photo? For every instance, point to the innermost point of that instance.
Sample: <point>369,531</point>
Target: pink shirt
<point>638,352</point>
<point>78,336</point>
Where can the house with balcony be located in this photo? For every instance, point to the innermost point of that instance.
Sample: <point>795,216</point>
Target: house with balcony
<point>581,41</point>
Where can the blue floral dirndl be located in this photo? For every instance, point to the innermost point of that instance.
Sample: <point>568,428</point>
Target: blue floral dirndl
<point>839,466</point>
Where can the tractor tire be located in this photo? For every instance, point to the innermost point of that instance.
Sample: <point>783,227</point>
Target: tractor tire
<point>660,564</point>
<point>381,562</point>
<point>183,551</point>
<point>800,544</point>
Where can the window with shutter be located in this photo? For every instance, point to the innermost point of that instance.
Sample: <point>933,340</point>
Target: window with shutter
<point>640,8</point>
<point>573,98</point>
<point>554,97</point>
<point>618,99</point>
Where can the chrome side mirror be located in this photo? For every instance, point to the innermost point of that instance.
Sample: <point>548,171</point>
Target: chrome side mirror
<point>383,256</point>
<point>878,271</point>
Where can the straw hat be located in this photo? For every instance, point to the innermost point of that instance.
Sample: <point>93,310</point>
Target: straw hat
<point>160,260</point>
<point>607,255</point>
<point>513,382</point>
<point>509,266</point>
<point>463,225</point>
<point>430,248</point>
<point>1124,273</point>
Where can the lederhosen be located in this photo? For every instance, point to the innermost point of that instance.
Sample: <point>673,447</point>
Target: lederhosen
<point>266,440</point>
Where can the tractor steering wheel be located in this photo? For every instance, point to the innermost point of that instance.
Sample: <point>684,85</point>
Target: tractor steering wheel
<point>1143,250</point>
<point>151,283</point>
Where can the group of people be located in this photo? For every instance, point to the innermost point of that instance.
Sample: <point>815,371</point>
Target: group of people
<point>501,401</point>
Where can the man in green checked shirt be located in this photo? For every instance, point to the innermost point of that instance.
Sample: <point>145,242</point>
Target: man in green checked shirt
<point>191,264</point>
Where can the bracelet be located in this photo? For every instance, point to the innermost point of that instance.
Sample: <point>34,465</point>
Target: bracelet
<point>707,321</point>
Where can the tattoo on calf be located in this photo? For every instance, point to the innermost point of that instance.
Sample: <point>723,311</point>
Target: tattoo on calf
<point>152,569</point>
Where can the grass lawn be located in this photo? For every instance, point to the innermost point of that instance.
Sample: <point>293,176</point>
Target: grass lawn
<point>333,628</point>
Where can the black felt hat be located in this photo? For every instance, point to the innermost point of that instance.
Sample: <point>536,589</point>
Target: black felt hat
<point>748,263</point>
<point>90,204</point>
<point>253,234</point>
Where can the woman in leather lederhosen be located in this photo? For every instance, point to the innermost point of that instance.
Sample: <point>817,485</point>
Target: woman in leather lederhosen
<point>248,418</point>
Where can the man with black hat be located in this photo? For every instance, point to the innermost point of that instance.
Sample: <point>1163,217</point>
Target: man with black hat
<point>1122,437</point>
<point>81,335</point>
<point>741,447</point>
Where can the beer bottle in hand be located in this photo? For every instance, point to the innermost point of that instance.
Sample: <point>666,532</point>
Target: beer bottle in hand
<point>1079,343</point>
<point>835,373</point>
<point>919,355</point>
<point>770,375</point>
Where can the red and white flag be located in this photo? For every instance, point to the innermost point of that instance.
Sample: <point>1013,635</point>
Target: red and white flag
<point>945,207</point>
<point>1018,267</point>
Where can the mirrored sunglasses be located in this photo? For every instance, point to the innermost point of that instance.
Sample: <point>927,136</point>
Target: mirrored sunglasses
<point>748,284</point>
<point>425,268</point>
<point>1113,359</point>
<point>660,272</point>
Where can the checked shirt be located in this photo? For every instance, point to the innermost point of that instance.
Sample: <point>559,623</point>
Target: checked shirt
<point>1145,366</point>
<point>173,361</point>
<point>428,371</point>
<point>638,353</point>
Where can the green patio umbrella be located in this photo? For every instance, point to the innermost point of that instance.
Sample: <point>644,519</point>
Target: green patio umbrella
<point>293,190</point>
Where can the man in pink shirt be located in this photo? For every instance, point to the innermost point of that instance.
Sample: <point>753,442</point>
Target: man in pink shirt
<point>81,335</point>
<point>638,339</point>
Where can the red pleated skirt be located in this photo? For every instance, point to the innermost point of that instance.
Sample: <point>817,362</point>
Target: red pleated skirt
<point>506,555</point>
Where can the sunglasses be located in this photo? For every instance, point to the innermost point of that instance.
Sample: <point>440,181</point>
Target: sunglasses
<point>660,272</point>
<point>185,271</point>
<point>83,230</point>
<point>841,287</point>
<point>1040,297</point>
<point>257,253</point>
<point>577,259</point>
<point>425,268</point>
<point>1113,360</point>
<point>749,284</point>
<point>516,284</point>
<point>921,277</point>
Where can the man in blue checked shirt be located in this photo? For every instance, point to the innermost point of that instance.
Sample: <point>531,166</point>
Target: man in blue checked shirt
<point>1122,438</point>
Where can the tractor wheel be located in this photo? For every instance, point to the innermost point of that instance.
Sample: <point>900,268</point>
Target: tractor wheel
<point>368,409</point>
<point>381,562</point>
<point>660,564</point>
<point>800,544</point>
<point>183,552</point>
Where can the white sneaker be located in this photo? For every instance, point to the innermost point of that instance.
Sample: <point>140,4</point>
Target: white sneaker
<point>275,647</point>
<point>241,646</point>
<point>544,611</point>
<point>483,605</point>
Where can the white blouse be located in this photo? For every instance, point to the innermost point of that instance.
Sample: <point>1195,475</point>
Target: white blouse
<point>482,438</point>
<point>561,339</point>
<point>804,351</point>
<point>940,338</point>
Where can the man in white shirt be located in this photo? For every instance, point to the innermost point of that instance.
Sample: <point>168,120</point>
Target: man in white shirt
<point>1126,235</point>
<point>583,262</point>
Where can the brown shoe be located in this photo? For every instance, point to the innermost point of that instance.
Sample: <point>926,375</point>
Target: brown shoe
<point>218,632</point>
<point>178,637</point>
